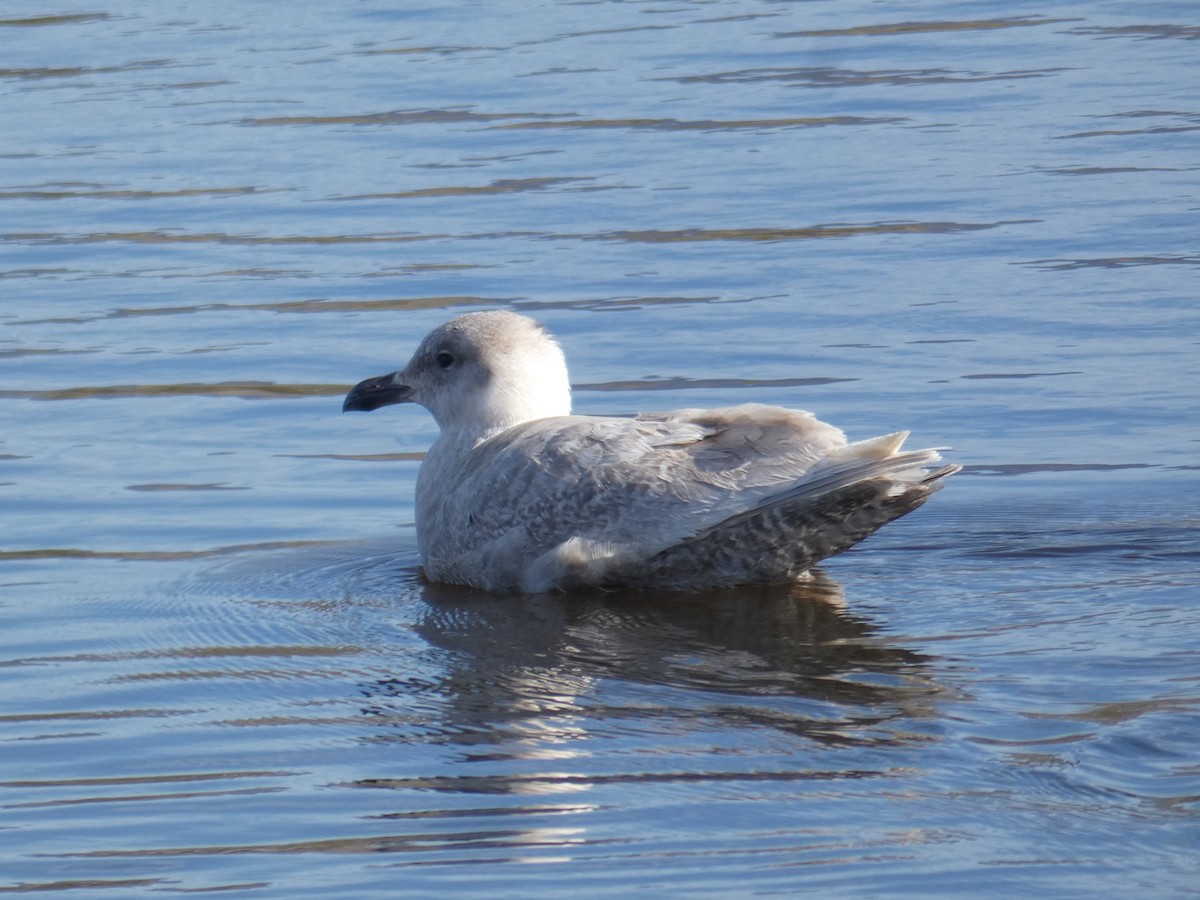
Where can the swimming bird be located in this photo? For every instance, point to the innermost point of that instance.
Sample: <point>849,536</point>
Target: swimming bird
<point>517,495</point>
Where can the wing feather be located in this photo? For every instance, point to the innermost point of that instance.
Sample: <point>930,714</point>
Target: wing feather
<point>585,487</point>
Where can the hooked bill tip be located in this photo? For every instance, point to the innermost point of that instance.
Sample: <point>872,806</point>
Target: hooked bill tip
<point>373,393</point>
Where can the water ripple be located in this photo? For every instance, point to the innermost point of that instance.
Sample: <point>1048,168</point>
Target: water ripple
<point>1143,32</point>
<point>62,19</point>
<point>834,77</point>
<point>897,28</point>
<point>97,192</point>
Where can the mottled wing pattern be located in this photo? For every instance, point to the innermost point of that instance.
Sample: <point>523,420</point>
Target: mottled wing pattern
<point>639,485</point>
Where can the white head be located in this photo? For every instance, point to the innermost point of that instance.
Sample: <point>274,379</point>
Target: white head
<point>479,374</point>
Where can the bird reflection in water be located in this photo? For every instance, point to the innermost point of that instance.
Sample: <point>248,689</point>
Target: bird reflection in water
<point>530,675</point>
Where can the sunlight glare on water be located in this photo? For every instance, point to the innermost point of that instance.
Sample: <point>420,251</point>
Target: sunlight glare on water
<point>222,669</point>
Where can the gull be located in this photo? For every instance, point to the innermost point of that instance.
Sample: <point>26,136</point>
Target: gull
<point>517,495</point>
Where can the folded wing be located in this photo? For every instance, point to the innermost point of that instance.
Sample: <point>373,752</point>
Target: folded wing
<point>757,491</point>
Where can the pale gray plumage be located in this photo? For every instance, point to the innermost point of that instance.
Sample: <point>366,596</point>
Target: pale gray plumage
<point>516,494</point>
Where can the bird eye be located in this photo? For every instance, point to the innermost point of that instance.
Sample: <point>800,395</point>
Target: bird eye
<point>444,359</point>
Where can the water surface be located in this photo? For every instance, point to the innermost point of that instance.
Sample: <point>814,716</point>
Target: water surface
<point>222,671</point>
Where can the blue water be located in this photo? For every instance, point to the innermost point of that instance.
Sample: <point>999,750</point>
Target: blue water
<point>220,668</point>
